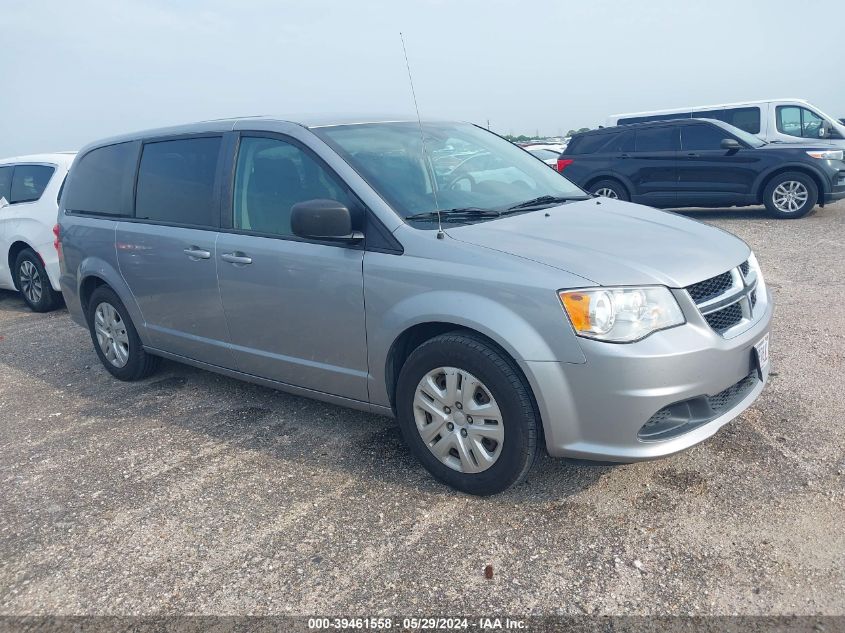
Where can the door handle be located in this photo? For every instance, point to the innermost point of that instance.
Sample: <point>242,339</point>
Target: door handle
<point>692,155</point>
<point>195,252</point>
<point>624,156</point>
<point>236,258</point>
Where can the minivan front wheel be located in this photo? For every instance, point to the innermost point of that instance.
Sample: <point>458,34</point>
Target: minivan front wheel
<point>791,195</point>
<point>115,338</point>
<point>612,189</point>
<point>33,283</point>
<point>466,413</point>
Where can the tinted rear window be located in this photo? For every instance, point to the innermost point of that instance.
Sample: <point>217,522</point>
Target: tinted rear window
<point>657,139</point>
<point>595,143</point>
<point>29,182</point>
<point>5,182</point>
<point>702,137</point>
<point>101,181</point>
<point>176,182</point>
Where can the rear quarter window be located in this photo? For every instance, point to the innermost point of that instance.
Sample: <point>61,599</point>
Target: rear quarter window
<point>593,143</point>
<point>100,183</point>
<point>29,182</point>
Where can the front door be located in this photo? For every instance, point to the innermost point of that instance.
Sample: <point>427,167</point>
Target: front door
<point>167,255</point>
<point>295,308</point>
<point>710,175</point>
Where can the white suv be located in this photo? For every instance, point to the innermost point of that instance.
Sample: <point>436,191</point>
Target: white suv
<point>29,195</point>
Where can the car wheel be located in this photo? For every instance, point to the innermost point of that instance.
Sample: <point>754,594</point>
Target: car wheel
<point>791,195</point>
<point>612,189</point>
<point>34,284</point>
<point>115,338</point>
<point>466,413</point>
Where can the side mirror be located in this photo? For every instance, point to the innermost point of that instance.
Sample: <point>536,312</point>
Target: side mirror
<point>824,129</point>
<point>322,219</point>
<point>731,144</point>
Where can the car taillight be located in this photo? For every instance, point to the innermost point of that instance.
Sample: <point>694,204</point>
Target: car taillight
<point>563,163</point>
<point>57,244</point>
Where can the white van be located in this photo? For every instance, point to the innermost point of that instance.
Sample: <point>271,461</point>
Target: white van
<point>775,120</point>
<point>29,205</point>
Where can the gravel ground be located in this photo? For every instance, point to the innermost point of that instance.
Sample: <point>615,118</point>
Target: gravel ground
<point>193,493</point>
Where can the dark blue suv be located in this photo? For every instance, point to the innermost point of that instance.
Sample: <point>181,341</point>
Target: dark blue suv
<point>703,163</point>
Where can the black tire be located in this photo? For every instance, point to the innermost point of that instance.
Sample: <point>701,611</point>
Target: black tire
<point>33,283</point>
<point>502,378</point>
<point>769,195</point>
<point>609,184</point>
<point>139,364</point>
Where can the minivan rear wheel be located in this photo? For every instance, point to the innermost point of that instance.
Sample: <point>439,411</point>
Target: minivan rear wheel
<point>791,195</point>
<point>34,285</point>
<point>115,338</point>
<point>608,188</point>
<point>466,413</point>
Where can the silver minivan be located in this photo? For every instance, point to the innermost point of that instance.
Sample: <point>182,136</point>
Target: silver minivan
<point>433,272</point>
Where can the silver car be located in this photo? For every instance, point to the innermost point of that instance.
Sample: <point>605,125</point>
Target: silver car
<point>493,311</point>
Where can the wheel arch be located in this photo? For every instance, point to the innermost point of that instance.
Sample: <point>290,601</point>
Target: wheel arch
<point>16,248</point>
<point>416,335</point>
<point>767,178</point>
<point>95,272</point>
<point>627,184</point>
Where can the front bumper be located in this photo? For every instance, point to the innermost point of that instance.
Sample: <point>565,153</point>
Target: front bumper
<point>597,410</point>
<point>837,192</point>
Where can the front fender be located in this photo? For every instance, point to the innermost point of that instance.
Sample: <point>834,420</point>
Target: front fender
<point>819,175</point>
<point>521,339</point>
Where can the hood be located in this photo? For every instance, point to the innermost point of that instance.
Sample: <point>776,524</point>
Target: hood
<point>612,243</point>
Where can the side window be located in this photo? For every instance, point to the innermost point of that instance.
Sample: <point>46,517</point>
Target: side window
<point>29,182</point>
<point>623,142</point>
<point>6,182</point>
<point>657,139</point>
<point>176,182</point>
<point>101,181</point>
<point>272,176</point>
<point>797,121</point>
<point>747,119</point>
<point>702,137</point>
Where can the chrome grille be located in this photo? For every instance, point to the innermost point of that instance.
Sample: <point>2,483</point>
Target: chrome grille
<point>728,300</point>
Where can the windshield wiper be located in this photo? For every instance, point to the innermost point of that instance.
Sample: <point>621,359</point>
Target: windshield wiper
<point>459,213</point>
<point>543,200</point>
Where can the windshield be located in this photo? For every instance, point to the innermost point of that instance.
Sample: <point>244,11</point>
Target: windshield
<point>463,167</point>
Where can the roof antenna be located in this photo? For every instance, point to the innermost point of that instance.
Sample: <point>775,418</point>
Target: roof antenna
<point>440,233</point>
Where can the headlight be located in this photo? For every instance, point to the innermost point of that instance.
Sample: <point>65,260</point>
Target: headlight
<point>621,315</point>
<point>755,266</point>
<point>831,154</point>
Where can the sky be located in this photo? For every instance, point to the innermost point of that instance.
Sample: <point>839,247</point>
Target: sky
<point>74,72</point>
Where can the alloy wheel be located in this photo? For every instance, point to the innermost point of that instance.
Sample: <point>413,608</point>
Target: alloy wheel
<point>30,281</point>
<point>459,420</point>
<point>790,196</point>
<point>111,334</point>
<point>607,192</point>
